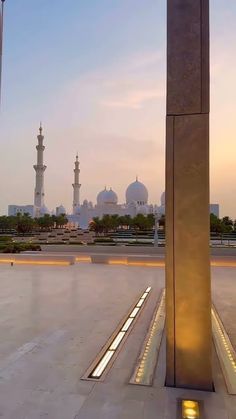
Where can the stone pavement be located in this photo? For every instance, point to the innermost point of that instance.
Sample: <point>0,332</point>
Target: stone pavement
<point>54,321</point>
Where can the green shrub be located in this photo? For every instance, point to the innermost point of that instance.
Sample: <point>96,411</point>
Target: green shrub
<point>5,239</point>
<point>19,247</point>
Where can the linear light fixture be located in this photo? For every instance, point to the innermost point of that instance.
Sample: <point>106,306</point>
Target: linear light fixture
<point>102,364</point>
<point>114,344</point>
<point>117,341</point>
<point>225,352</point>
<point>134,312</point>
<point>147,360</point>
<point>117,262</point>
<point>127,324</point>
<point>7,260</point>
<point>40,262</point>
<point>190,409</point>
<point>140,303</point>
<point>83,259</point>
<point>136,263</point>
<point>34,262</point>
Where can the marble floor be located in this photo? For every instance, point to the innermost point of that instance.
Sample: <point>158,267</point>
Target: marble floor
<point>54,321</point>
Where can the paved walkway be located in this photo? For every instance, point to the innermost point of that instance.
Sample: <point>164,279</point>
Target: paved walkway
<point>54,321</point>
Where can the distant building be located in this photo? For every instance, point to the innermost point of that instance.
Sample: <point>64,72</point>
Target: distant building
<point>21,209</point>
<point>107,200</point>
<point>215,209</point>
<point>60,210</point>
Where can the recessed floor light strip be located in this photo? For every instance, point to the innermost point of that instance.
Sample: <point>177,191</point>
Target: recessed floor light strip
<point>83,259</point>
<point>106,357</point>
<point>145,368</point>
<point>225,352</point>
<point>35,262</point>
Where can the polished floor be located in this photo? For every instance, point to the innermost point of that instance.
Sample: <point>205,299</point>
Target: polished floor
<point>54,321</point>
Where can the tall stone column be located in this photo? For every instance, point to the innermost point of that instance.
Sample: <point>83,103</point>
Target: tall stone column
<point>188,288</point>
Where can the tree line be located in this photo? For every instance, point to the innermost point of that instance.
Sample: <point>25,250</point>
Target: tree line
<point>111,223</point>
<point>222,225</point>
<point>25,224</point>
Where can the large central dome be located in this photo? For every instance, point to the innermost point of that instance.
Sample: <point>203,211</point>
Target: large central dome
<point>137,192</point>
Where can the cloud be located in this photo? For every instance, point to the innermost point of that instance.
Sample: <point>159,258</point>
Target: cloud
<point>134,83</point>
<point>134,99</point>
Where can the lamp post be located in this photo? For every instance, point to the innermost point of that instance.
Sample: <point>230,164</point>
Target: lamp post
<point>156,230</point>
<point>1,42</point>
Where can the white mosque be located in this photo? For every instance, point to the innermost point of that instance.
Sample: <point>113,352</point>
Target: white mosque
<point>82,214</point>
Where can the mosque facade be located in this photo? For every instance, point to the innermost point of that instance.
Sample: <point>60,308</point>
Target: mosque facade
<point>107,202</point>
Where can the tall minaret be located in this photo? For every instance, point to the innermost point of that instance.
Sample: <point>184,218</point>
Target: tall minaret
<point>39,169</point>
<point>76,186</point>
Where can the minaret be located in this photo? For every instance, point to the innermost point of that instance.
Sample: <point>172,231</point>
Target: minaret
<point>76,186</point>
<point>39,169</point>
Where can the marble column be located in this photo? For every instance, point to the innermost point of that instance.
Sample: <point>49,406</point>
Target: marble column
<point>188,324</point>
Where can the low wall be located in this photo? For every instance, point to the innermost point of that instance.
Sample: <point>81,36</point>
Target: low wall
<point>37,259</point>
<point>125,250</point>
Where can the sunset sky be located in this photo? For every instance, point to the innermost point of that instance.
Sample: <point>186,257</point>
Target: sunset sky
<point>94,72</point>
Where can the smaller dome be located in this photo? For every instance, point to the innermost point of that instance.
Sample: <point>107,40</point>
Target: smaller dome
<point>163,199</point>
<point>100,196</point>
<point>85,203</point>
<point>110,197</point>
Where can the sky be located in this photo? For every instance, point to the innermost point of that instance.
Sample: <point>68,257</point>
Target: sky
<point>94,73</point>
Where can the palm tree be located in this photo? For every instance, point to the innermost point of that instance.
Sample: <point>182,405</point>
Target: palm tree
<point>96,226</point>
<point>25,223</point>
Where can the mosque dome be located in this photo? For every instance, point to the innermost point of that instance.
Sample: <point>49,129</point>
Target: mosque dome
<point>163,199</point>
<point>107,197</point>
<point>137,192</point>
<point>100,196</point>
<point>110,197</point>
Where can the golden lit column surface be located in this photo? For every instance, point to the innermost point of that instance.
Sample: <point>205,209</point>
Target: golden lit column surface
<point>188,292</point>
